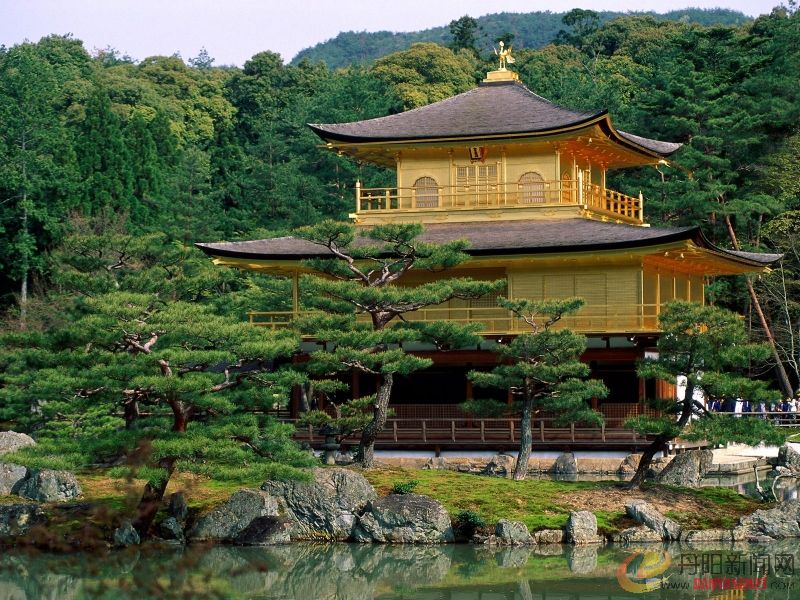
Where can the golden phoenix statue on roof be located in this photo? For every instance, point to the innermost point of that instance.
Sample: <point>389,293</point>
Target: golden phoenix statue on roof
<point>505,56</point>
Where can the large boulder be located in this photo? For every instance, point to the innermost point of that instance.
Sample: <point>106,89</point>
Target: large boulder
<point>687,469</point>
<point>776,523</point>
<point>789,457</point>
<point>11,441</point>
<point>227,521</point>
<point>629,465</point>
<point>512,533</point>
<point>500,465</point>
<point>706,536</point>
<point>11,478</point>
<point>170,529</point>
<point>566,464</point>
<point>643,512</point>
<point>326,507</point>
<point>17,519</point>
<point>178,508</point>
<point>404,519</point>
<point>637,535</point>
<point>582,528</point>
<point>657,465</point>
<point>549,536</point>
<point>265,531</point>
<point>47,485</point>
<point>125,535</point>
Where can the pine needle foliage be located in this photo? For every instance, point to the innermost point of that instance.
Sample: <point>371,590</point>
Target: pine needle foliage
<point>148,373</point>
<point>543,371</point>
<point>710,347</point>
<point>365,306</point>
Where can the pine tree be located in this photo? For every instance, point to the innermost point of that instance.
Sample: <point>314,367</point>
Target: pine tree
<point>103,157</point>
<point>145,372</point>
<point>364,277</point>
<point>37,167</point>
<point>543,371</point>
<point>710,347</point>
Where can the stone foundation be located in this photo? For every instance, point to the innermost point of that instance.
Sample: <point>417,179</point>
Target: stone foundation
<point>536,466</point>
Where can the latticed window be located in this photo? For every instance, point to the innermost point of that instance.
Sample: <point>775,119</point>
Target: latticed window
<point>488,300</point>
<point>476,175</point>
<point>426,191</point>
<point>531,188</point>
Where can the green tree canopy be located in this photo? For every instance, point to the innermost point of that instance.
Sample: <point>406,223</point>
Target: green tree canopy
<point>426,73</point>
<point>543,371</point>
<point>144,372</point>
<point>709,346</point>
<point>365,278</point>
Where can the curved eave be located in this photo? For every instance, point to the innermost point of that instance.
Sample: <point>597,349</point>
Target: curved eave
<point>349,143</point>
<point>333,137</point>
<point>624,139</point>
<point>214,250</point>
<point>759,262</point>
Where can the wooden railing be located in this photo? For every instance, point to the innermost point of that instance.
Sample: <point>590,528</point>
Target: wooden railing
<point>592,318</point>
<point>594,198</point>
<point>484,432</point>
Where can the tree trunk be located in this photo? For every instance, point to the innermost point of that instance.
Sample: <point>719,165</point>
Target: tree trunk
<point>525,441</point>
<point>151,499</point>
<point>180,416</point>
<point>23,289</point>
<point>380,412</point>
<point>154,494</point>
<point>131,408</point>
<point>306,393</point>
<point>783,378</point>
<point>659,443</point>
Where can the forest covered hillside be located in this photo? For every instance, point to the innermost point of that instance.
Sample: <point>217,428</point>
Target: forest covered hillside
<point>529,30</point>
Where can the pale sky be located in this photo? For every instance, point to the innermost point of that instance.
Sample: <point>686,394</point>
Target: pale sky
<point>234,30</point>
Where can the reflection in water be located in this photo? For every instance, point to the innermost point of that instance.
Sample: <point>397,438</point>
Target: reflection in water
<point>345,571</point>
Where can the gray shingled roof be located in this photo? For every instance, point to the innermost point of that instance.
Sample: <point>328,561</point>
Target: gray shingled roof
<point>507,237</point>
<point>663,148</point>
<point>490,109</point>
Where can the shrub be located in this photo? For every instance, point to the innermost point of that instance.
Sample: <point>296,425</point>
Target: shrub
<point>404,487</point>
<point>467,522</point>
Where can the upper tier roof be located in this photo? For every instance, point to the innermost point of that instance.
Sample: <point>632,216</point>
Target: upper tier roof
<point>493,109</point>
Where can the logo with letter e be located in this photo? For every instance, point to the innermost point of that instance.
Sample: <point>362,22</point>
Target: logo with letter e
<point>643,572</point>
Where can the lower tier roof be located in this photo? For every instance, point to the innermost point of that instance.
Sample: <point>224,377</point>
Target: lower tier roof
<point>508,238</point>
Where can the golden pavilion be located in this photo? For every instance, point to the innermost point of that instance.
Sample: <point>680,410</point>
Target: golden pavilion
<point>524,181</point>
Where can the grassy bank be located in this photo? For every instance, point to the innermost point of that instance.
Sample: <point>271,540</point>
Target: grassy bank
<point>539,503</point>
<point>545,504</point>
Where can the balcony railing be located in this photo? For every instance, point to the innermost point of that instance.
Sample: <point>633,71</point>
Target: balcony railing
<point>617,318</point>
<point>592,197</point>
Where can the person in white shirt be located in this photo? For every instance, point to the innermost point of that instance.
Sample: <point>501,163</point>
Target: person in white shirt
<point>738,407</point>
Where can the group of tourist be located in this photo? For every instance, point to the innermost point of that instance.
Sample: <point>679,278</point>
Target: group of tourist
<point>740,406</point>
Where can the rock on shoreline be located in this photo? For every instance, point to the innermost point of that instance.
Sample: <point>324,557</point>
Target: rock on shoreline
<point>339,504</point>
<point>42,485</point>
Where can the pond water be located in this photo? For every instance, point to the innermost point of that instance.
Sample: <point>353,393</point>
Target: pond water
<point>455,572</point>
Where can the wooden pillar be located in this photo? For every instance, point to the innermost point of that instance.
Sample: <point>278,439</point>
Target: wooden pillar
<point>295,293</point>
<point>468,391</point>
<point>294,398</point>
<point>355,381</point>
<point>294,402</point>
